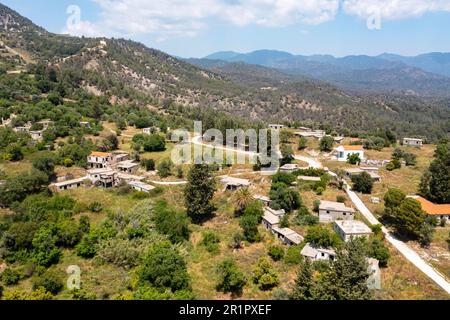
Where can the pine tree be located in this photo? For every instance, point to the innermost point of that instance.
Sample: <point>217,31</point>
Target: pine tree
<point>303,289</point>
<point>199,192</point>
<point>347,278</point>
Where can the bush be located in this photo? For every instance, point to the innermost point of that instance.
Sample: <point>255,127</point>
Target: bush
<point>326,144</point>
<point>362,183</point>
<point>95,207</point>
<point>210,241</point>
<point>390,166</point>
<point>49,281</point>
<point>148,164</point>
<point>264,275</point>
<point>236,240</point>
<point>154,143</point>
<point>341,199</point>
<point>87,247</point>
<point>164,268</point>
<point>173,223</point>
<point>231,279</point>
<point>293,255</point>
<point>319,191</point>
<point>165,168</point>
<point>249,224</point>
<point>10,276</point>
<point>316,205</point>
<point>276,253</point>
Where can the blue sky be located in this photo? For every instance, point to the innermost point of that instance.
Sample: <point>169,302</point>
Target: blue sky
<point>195,28</point>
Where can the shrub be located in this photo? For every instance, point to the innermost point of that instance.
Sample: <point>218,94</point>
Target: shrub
<point>293,255</point>
<point>210,241</point>
<point>87,247</point>
<point>319,191</point>
<point>341,198</point>
<point>173,223</point>
<point>236,240</point>
<point>165,168</point>
<point>148,164</point>
<point>264,275</point>
<point>49,281</point>
<point>276,253</point>
<point>231,279</point>
<point>249,224</point>
<point>10,276</point>
<point>95,207</point>
<point>164,268</point>
<point>316,205</point>
<point>362,183</point>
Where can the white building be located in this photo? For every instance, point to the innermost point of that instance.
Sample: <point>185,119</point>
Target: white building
<point>103,177</point>
<point>287,236</point>
<point>347,229</point>
<point>265,200</point>
<point>67,185</point>
<point>276,126</point>
<point>141,186</point>
<point>289,168</point>
<point>350,172</point>
<point>99,160</point>
<point>150,130</point>
<point>37,135</point>
<point>412,142</point>
<point>127,166</point>
<point>319,134</point>
<point>231,183</point>
<point>317,253</point>
<point>330,211</point>
<point>343,152</point>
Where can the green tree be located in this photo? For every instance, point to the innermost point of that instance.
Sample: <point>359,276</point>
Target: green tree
<point>249,225</point>
<point>347,278</point>
<point>165,168</point>
<point>154,143</point>
<point>276,253</point>
<point>45,251</point>
<point>321,237</point>
<point>45,163</point>
<point>199,192</point>
<point>362,183</point>
<point>326,144</point>
<point>164,268</point>
<point>304,284</point>
<point>231,278</point>
<point>354,158</point>
<point>264,275</point>
<point>302,143</point>
<point>173,223</point>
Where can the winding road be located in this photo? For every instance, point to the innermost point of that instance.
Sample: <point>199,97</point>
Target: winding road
<point>402,247</point>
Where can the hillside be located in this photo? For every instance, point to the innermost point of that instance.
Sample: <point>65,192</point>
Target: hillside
<point>425,75</point>
<point>128,72</point>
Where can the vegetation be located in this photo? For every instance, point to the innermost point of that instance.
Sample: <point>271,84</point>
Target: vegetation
<point>199,192</point>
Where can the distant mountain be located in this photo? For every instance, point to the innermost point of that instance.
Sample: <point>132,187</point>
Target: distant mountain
<point>435,62</point>
<point>423,75</point>
<point>123,72</point>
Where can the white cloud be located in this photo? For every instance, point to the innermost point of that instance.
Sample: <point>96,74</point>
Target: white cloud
<point>394,9</point>
<point>169,18</point>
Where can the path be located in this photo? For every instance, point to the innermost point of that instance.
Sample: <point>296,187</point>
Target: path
<point>402,247</point>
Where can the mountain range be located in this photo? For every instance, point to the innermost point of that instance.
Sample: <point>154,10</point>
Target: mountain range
<point>264,86</point>
<point>427,74</point>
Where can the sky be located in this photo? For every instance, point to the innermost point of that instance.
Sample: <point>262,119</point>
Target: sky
<point>196,28</point>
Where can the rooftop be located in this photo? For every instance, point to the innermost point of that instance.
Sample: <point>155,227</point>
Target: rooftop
<point>431,208</point>
<point>141,185</point>
<point>289,234</point>
<point>235,181</point>
<point>331,205</point>
<point>353,226</point>
<point>127,164</point>
<point>68,182</point>
<point>270,217</point>
<point>310,251</point>
<point>100,154</point>
<point>351,148</point>
<point>289,166</point>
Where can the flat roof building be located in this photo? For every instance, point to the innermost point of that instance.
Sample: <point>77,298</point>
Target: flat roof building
<point>348,229</point>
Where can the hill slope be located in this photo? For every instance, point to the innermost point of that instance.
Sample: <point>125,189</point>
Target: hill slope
<point>129,72</point>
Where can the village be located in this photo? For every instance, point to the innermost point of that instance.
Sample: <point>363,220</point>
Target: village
<point>109,170</point>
